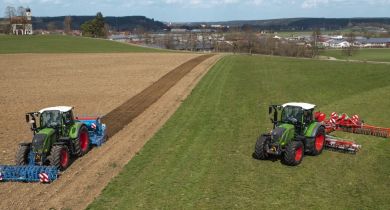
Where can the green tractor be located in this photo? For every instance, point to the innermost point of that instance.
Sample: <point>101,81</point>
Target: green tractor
<point>56,138</point>
<point>293,135</point>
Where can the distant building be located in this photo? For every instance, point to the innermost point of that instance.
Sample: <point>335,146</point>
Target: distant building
<point>376,42</point>
<point>22,25</point>
<point>337,43</point>
<point>179,30</point>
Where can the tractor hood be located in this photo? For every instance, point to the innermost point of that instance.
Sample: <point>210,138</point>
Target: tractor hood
<point>283,134</point>
<point>41,140</point>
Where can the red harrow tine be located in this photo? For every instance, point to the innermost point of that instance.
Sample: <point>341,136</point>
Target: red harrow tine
<point>353,125</point>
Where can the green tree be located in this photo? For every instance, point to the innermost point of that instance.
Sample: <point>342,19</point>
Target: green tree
<point>95,28</point>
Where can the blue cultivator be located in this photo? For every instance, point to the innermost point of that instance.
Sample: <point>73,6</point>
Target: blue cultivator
<point>96,130</point>
<point>28,173</point>
<point>57,138</point>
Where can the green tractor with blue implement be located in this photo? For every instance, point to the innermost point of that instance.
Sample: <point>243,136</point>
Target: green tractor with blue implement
<point>295,133</point>
<point>58,137</point>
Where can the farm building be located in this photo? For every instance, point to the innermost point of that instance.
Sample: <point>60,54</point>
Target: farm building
<point>22,25</point>
<point>376,42</point>
<point>337,43</point>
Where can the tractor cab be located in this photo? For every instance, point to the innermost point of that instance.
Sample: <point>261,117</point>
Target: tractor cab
<point>56,116</point>
<point>51,117</point>
<point>298,114</point>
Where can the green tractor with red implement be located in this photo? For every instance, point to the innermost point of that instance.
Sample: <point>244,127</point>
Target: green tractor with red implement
<point>295,132</point>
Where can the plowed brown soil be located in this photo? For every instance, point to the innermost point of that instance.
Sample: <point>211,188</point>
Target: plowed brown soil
<point>87,176</point>
<point>94,84</point>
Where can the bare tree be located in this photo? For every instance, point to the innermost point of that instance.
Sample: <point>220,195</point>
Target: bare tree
<point>351,49</point>
<point>21,11</point>
<point>168,41</point>
<point>250,37</point>
<point>106,30</point>
<point>51,26</point>
<point>68,25</point>
<point>314,43</point>
<point>10,12</point>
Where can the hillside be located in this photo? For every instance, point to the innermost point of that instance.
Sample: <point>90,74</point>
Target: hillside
<point>303,23</point>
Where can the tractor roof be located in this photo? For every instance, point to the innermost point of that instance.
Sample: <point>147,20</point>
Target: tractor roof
<point>306,106</point>
<point>57,108</point>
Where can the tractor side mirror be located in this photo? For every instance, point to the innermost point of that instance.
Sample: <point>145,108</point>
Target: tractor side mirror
<point>270,110</point>
<point>27,118</point>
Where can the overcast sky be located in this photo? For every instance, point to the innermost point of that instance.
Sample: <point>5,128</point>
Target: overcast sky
<point>202,10</point>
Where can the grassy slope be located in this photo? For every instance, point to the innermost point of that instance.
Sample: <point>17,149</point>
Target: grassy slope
<point>362,54</point>
<point>201,158</point>
<point>64,44</point>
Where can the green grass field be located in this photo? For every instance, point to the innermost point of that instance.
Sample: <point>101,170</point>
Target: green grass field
<point>362,54</point>
<point>64,44</point>
<point>202,157</point>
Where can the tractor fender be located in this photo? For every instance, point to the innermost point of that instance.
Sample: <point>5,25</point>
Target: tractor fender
<point>74,130</point>
<point>312,130</point>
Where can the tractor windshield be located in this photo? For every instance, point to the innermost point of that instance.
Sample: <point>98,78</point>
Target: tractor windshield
<point>50,118</point>
<point>291,114</point>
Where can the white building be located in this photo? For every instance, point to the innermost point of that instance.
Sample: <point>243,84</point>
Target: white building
<point>22,25</point>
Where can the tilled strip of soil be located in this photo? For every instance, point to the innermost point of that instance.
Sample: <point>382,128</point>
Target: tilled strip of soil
<point>118,118</point>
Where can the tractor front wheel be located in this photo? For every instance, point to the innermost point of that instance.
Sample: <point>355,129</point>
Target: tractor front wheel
<point>81,144</point>
<point>319,142</point>
<point>60,157</point>
<point>294,153</point>
<point>260,148</point>
<point>22,155</point>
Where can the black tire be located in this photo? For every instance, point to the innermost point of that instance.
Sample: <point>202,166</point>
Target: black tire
<point>260,148</point>
<point>318,142</point>
<point>78,143</point>
<point>105,139</point>
<point>57,157</point>
<point>21,157</point>
<point>293,154</point>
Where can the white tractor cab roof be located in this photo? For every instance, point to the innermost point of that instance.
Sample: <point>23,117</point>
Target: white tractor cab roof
<point>305,106</point>
<point>57,108</point>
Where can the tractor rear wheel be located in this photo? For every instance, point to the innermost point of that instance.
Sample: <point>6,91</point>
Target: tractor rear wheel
<point>82,143</point>
<point>319,142</point>
<point>260,148</point>
<point>22,155</point>
<point>294,153</point>
<point>60,157</point>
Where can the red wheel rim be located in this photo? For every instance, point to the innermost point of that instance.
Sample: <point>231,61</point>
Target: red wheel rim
<point>84,143</point>
<point>319,142</point>
<point>64,158</point>
<point>298,154</point>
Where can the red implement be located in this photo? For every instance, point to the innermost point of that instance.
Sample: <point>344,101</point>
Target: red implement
<point>338,144</point>
<point>353,125</point>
